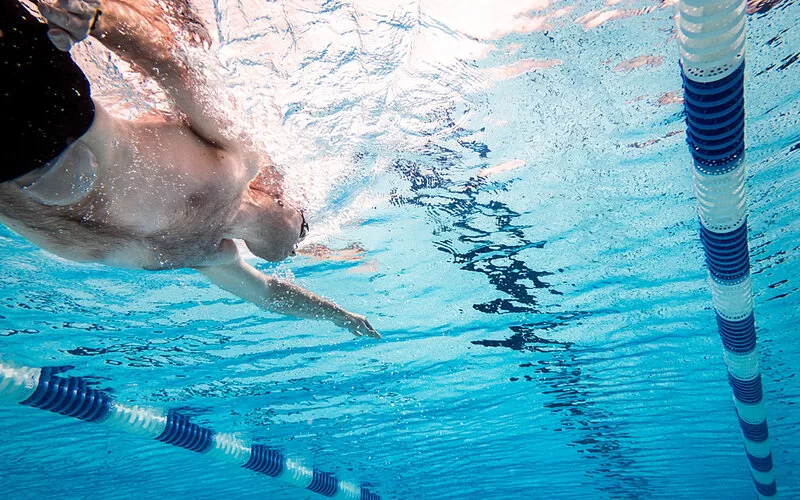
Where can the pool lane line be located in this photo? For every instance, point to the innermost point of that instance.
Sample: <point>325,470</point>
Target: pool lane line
<point>45,389</point>
<point>712,35</point>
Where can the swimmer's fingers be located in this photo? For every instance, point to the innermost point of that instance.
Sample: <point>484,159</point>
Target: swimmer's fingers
<point>371,331</point>
<point>360,326</point>
<point>61,39</point>
<point>70,21</point>
<point>86,9</point>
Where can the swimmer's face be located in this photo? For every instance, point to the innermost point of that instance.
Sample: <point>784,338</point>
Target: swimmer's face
<point>273,229</point>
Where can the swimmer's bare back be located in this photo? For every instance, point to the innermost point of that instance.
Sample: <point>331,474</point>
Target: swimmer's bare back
<point>162,195</point>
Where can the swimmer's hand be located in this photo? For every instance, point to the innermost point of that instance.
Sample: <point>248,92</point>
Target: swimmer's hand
<point>359,325</point>
<point>70,21</point>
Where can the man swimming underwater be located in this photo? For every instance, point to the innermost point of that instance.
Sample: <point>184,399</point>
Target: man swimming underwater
<point>90,187</point>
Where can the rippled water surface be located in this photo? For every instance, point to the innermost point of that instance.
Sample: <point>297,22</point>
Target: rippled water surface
<point>503,188</point>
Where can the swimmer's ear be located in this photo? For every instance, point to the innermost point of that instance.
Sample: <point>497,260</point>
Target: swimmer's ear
<point>267,182</point>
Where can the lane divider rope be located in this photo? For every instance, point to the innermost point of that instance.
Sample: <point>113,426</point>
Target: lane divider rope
<point>45,389</point>
<point>712,35</point>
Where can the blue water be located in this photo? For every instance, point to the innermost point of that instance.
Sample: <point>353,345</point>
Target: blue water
<point>548,332</point>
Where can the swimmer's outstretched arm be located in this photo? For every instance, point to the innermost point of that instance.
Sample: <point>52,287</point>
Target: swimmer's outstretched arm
<point>140,32</point>
<point>243,280</point>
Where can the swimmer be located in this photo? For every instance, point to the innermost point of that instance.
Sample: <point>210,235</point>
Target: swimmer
<point>91,187</point>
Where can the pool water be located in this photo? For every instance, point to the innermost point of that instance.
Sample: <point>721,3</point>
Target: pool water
<point>504,189</point>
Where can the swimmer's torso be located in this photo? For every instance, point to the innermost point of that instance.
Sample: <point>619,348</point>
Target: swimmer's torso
<point>154,176</point>
<point>161,198</point>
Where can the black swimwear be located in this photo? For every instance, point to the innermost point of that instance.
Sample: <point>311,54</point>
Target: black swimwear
<point>44,96</point>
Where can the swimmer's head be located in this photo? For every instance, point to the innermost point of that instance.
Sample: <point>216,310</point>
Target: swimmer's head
<point>269,227</point>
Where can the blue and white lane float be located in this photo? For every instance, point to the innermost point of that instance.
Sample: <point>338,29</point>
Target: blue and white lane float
<point>712,47</point>
<point>43,388</point>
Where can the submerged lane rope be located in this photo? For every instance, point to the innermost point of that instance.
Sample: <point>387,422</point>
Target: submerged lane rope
<point>712,37</point>
<point>71,396</point>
